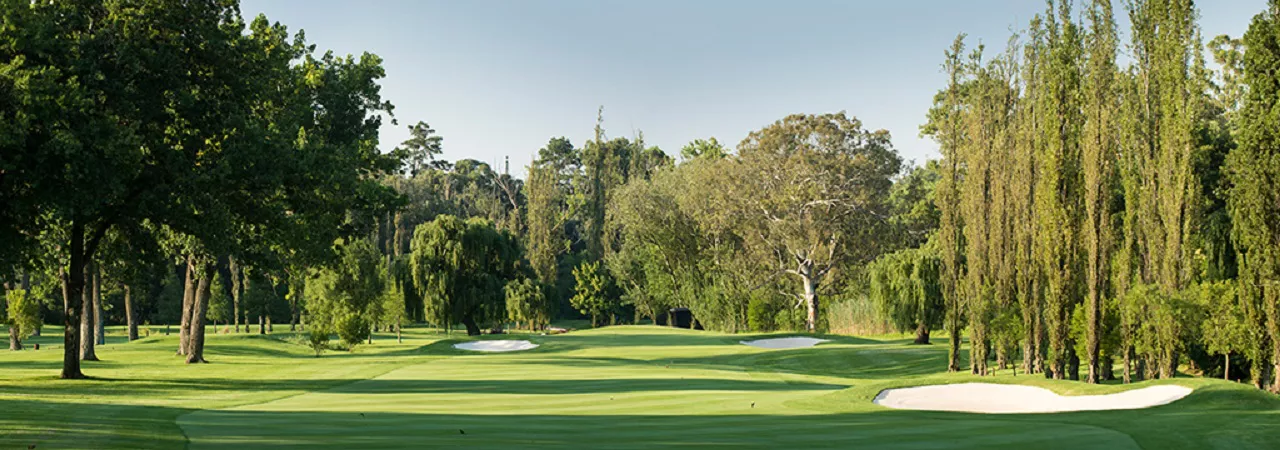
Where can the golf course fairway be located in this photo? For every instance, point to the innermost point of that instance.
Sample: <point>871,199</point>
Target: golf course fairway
<point>615,387</point>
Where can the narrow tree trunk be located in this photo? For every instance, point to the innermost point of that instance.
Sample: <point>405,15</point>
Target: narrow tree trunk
<point>99,322</point>
<point>1226,367</point>
<point>235,292</point>
<point>398,235</point>
<point>128,313</point>
<point>188,297</point>
<point>1128,352</point>
<point>1093,308</point>
<point>88,319</point>
<point>954,335</point>
<point>922,334</point>
<point>1275,370</point>
<point>398,339</point>
<point>269,328</point>
<point>262,325</point>
<point>195,346</point>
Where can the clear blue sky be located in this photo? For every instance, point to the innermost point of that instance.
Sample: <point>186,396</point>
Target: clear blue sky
<point>499,77</point>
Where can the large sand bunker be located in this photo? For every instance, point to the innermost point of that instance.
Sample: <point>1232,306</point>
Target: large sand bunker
<point>496,346</point>
<point>1009,398</point>
<point>784,343</point>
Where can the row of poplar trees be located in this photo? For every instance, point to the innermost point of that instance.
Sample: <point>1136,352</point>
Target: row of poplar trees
<point>1107,203</point>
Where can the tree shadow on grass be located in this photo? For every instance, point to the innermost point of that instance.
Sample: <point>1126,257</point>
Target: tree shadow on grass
<point>372,429</point>
<point>46,425</point>
<point>128,389</point>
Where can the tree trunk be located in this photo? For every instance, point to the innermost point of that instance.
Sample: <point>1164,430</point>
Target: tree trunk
<point>188,297</point>
<point>195,345</point>
<point>1275,371</point>
<point>88,320</point>
<point>472,328</point>
<point>128,313</point>
<point>262,325</point>
<point>1073,366</point>
<point>72,291</point>
<point>1093,311</point>
<point>922,334</point>
<point>1226,367</point>
<point>269,329</point>
<point>398,339</point>
<point>398,235</point>
<point>235,292</point>
<point>14,342</point>
<point>810,300</point>
<point>100,323</point>
<point>1128,357</point>
<point>954,335</point>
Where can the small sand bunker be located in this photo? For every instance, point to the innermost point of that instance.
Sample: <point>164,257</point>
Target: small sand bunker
<point>1008,398</point>
<point>496,346</point>
<point>784,343</point>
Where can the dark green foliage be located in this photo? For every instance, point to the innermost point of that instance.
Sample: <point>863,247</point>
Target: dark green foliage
<point>462,268</point>
<point>347,297</point>
<point>591,292</point>
<point>528,303</point>
<point>907,287</point>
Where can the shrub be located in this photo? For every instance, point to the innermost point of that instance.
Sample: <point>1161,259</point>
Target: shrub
<point>353,329</point>
<point>762,313</point>
<point>318,338</point>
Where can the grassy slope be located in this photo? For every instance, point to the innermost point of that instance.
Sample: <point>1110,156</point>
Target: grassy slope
<point>617,387</point>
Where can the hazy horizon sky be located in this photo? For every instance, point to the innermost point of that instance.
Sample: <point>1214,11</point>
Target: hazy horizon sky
<point>498,78</point>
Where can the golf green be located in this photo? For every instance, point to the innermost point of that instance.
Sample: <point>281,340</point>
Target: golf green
<point>616,387</point>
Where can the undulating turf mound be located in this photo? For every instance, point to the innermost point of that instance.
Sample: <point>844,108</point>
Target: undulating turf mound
<point>496,346</point>
<point>785,343</point>
<point>1008,398</point>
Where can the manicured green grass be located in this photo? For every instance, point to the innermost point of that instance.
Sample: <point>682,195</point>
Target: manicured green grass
<point>618,387</point>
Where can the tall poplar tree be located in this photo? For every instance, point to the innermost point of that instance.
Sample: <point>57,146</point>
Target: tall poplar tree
<point>1255,194</point>
<point>1058,184</point>
<point>1098,150</point>
<point>945,126</point>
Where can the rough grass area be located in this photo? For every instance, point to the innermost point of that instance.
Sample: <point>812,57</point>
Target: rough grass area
<point>617,387</point>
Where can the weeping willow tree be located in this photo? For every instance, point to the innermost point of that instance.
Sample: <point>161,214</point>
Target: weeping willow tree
<point>906,287</point>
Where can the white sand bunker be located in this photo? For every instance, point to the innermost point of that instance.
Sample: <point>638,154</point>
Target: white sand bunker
<point>784,343</point>
<point>1008,398</point>
<point>496,346</point>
